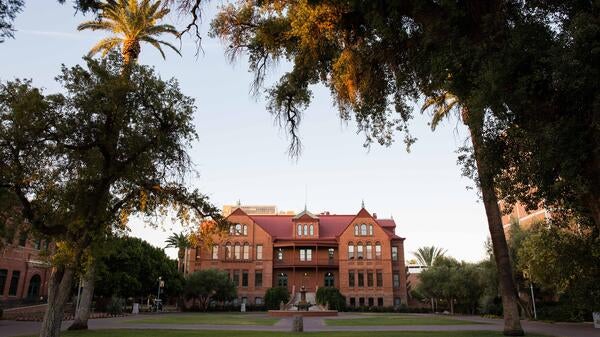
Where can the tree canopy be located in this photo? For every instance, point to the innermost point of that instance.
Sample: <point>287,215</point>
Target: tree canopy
<point>208,285</point>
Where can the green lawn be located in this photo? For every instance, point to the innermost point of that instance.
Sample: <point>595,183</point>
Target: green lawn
<point>396,319</point>
<point>205,333</point>
<point>206,318</point>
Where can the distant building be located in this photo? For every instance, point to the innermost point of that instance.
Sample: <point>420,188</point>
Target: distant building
<point>23,273</point>
<point>357,253</point>
<point>255,210</point>
<point>522,216</point>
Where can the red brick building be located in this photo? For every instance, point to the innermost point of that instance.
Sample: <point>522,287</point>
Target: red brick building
<point>359,254</point>
<point>23,274</point>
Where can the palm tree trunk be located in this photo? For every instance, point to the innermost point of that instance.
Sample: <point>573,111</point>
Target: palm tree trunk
<point>83,311</point>
<point>512,324</point>
<point>59,289</point>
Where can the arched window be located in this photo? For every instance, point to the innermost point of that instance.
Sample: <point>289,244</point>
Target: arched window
<point>282,280</point>
<point>311,230</point>
<point>350,251</point>
<point>237,251</point>
<point>228,251</point>
<point>305,229</point>
<point>238,229</point>
<point>232,230</point>
<point>363,229</point>
<point>280,254</point>
<point>369,251</point>
<point>359,251</point>
<point>377,250</point>
<point>329,280</point>
<point>34,287</point>
<point>299,229</point>
<point>245,230</point>
<point>356,230</point>
<point>246,251</point>
<point>370,229</point>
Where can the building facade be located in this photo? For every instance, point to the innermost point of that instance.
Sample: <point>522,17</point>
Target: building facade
<point>523,217</point>
<point>23,272</point>
<point>358,254</point>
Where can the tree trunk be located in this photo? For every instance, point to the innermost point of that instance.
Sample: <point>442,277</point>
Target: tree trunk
<point>59,289</point>
<point>83,310</point>
<point>512,324</point>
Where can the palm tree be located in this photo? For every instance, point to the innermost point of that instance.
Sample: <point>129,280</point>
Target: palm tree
<point>131,22</point>
<point>182,242</point>
<point>443,103</point>
<point>426,256</point>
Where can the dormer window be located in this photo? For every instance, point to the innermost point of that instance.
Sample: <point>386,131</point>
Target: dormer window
<point>363,230</point>
<point>299,233</point>
<point>311,230</point>
<point>238,229</point>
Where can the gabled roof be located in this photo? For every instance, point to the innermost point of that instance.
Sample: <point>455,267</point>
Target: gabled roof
<point>330,226</point>
<point>305,213</point>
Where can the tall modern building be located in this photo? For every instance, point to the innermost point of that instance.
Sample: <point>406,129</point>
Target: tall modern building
<point>254,210</point>
<point>357,253</point>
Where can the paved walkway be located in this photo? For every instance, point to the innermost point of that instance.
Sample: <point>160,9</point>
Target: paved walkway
<point>13,328</point>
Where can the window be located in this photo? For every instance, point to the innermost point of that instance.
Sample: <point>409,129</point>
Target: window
<point>23,238</point>
<point>305,254</point>
<point>258,279</point>
<point>378,250</point>
<point>228,253</point>
<point>198,250</point>
<point>258,300</point>
<point>232,230</point>
<point>356,230</point>
<point>215,252</point>
<point>351,278</point>
<point>329,280</point>
<point>244,300</point>
<point>259,252</point>
<point>246,251</point>
<point>359,251</point>
<point>363,229</point>
<point>244,278</point>
<point>280,254</point>
<point>369,251</point>
<point>3,276</point>
<point>330,253</point>
<point>394,253</point>
<point>299,233</point>
<point>282,280</point>
<point>352,301</point>
<point>361,278</point>
<point>311,230</point>
<point>397,301</point>
<point>238,229</point>
<point>396,280</point>
<point>38,244</point>
<point>371,301</point>
<point>379,275</point>
<point>236,278</point>
<point>245,230</point>
<point>34,287</point>
<point>14,283</point>
<point>361,301</point>
<point>370,229</point>
<point>369,278</point>
<point>237,251</point>
<point>380,301</point>
<point>305,229</point>
<point>350,251</point>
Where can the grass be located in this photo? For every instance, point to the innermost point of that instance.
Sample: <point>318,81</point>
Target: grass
<point>396,319</point>
<point>207,333</point>
<point>206,318</point>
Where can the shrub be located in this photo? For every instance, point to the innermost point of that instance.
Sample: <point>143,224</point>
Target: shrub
<point>274,296</point>
<point>331,296</point>
<point>115,306</point>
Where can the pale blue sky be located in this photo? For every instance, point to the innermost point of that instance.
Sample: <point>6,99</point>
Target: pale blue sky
<point>241,153</point>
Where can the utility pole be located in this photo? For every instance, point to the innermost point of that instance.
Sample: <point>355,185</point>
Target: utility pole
<point>533,300</point>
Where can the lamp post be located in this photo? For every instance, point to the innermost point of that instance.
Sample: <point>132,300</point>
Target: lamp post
<point>161,284</point>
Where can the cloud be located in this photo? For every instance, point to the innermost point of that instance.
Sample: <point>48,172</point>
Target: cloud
<point>60,35</point>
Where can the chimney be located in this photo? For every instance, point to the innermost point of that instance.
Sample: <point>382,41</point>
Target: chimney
<point>374,215</point>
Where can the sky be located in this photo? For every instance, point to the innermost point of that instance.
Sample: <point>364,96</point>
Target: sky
<point>241,154</point>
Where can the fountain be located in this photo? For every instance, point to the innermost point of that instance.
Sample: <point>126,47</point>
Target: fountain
<point>301,307</point>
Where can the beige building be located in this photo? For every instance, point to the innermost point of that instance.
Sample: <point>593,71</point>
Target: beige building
<point>255,210</point>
